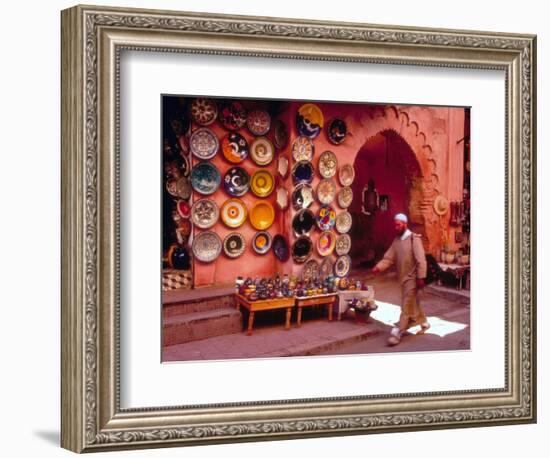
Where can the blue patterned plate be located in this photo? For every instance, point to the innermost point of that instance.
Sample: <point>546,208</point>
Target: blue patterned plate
<point>236,182</point>
<point>205,178</point>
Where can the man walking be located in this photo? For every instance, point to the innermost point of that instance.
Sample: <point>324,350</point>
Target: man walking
<point>407,254</point>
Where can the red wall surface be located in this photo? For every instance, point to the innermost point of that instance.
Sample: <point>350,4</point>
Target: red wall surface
<point>426,139</point>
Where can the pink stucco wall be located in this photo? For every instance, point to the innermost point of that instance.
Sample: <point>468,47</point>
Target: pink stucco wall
<point>433,134</point>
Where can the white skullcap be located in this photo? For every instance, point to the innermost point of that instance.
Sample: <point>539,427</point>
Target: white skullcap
<point>401,217</point>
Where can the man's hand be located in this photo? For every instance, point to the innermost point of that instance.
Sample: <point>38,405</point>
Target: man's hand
<point>375,271</point>
<point>420,283</point>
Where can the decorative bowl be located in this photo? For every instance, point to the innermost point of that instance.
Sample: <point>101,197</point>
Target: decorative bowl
<point>346,175</point>
<point>280,248</point>
<point>303,222</point>
<point>282,198</point>
<point>326,218</point>
<point>234,245</point>
<point>280,134</point>
<point>236,181</point>
<point>235,147</point>
<point>309,120</point>
<point>326,243</point>
<point>262,183</point>
<point>302,149</point>
<point>342,266</point>
<point>326,191</point>
<point>204,111</point>
<point>337,131</point>
<point>302,196</point>
<point>232,115</point>
<point>205,178</point>
<point>203,143</point>
<point>204,213</point>
<point>262,215</point>
<point>345,197</point>
<point>207,246</point>
<point>262,151</point>
<point>261,243</point>
<point>301,249</point>
<point>302,172</point>
<point>258,122</point>
<point>328,164</point>
<point>343,222</point>
<point>310,270</point>
<point>343,244</point>
<point>233,212</point>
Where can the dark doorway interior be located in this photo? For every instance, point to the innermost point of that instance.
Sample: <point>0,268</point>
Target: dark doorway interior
<point>385,167</point>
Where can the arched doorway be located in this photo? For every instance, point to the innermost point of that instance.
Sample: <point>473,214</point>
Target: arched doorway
<point>385,167</point>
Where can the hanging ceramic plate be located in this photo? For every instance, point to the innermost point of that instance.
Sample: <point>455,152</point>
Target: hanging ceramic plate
<point>309,120</point>
<point>326,243</point>
<point>346,175</point>
<point>280,134</point>
<point>342,266</point>
<point>184,227</point>
<point>172,187</point>
<point>232,115</point>
<point>203,143</point>
<point>326,268</point>
<point>234,245</point>
<point>262,151</point>
<point>343,244</point>
<point>303,222</point>
<point>233,212</point>
<point>204,111</point>
<point>326,191</point>
<point>236,182</point>
<point>345,197</point>
<point>234,148</point>
<point>280,248</point>
<point>183,188</point>
<point>261,243</point>
<point>310,270</point>
<point>282,166</point>
<point>337,131</point>
<point>302,172</point>
<point>262,183</point>
<point>205,213</point>
<point>183,208</point>
<point>205,178</point>
<point>262,215</point>
<point>328,164</point>
<point>326,218</point>
<point>301,249</point>
<point>282,198</point>
<point>343,222</point>
<point>302,149</point>
<point>207,246</point>
<point>258,122</point>
<point>302,196</point>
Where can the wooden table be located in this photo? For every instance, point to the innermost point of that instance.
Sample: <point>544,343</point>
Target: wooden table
<point>266,304</point>
<point>308,301</point>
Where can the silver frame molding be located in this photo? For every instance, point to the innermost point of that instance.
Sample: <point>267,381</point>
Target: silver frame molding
<point>92,40</point>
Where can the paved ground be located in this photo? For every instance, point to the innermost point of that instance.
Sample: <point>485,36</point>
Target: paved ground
<point>448,312</point>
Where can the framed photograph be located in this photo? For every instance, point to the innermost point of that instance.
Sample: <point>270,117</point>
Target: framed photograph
<point>277,228</point>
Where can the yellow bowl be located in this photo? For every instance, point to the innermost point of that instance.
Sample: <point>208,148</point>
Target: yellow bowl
<point>262,215</point>
<point>262,183</point>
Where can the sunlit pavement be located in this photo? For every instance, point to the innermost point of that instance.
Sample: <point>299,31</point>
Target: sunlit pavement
<point>448,315</point>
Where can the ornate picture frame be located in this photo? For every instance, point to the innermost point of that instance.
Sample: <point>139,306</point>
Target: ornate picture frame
<point>92,41</point>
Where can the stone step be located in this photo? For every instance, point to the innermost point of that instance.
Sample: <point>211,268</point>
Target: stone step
<point>315,337</point>
<point>197,305</point>
<point>192,326</point>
